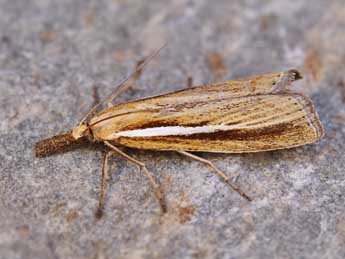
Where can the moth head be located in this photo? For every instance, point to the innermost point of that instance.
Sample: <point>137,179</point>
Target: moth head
<point>62,143</point>
<point>80,131</point>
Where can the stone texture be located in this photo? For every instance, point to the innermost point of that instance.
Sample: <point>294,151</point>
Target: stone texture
<point>54,56</point>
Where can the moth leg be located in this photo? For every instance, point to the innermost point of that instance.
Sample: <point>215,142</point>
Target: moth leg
<point>142,166</point>
<point>105,176</point>
<point>216,170</point>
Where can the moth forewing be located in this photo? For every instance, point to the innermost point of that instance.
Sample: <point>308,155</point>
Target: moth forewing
<point>235,117</point>
<point>229,89</point>
<point>282,121</point>
<point>260,84</point>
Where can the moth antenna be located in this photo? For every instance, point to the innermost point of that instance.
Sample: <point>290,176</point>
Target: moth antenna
<point>121,86</point>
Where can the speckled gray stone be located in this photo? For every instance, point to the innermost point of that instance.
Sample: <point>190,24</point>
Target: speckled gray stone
<point>53,54</point>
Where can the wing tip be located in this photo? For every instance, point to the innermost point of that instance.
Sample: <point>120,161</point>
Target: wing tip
<point>294,74</point>
<point>286,78</point>
<point>312,115</point>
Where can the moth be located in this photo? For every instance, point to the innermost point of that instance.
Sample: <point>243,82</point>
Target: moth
<point>253,114</point>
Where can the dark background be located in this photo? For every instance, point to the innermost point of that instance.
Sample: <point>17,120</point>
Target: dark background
<point>57,57</point>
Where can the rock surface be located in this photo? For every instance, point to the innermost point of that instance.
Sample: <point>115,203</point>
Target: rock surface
<point>57,57</point>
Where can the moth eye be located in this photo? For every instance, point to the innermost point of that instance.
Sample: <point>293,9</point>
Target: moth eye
<point>274,83</point>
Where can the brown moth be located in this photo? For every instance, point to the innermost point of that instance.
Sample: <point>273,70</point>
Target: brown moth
<point>253,114</point>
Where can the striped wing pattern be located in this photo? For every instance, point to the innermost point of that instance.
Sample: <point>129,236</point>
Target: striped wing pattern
<point>249,115</point>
